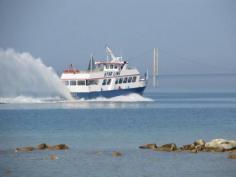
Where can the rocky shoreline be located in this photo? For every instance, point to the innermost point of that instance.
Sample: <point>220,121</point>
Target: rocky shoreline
<point>215,145</point>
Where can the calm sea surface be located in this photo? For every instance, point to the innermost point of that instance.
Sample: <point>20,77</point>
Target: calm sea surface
<point>94,129</point>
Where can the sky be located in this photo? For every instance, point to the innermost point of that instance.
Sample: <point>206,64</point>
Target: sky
<point>193,36</point>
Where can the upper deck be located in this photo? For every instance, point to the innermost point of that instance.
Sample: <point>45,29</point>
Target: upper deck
<point>114,66</point>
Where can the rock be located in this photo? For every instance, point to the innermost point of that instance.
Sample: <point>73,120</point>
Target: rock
<point>148,146</point>
<point>233,150</point>
<point>24,149</point>
<point>59,147</point>
<point>232,156</point>
<point>188,147</point>
<point>212,149</point>
<point>168,147</point>
<point>200,147</point>
<point>116,154</point>
<point>200,142</point>
<point>53,157</point>
<point>226,145</point>
<point>194,151</point>
<point>43,146</point>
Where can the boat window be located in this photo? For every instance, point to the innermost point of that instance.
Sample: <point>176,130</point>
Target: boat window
<point>104,82</point>
<point>107,66</point>
<point>130,79</point>
<point>108,81</point>
<point>117,80</point>
<point>107,74</point>
<point>111,66</point>
<point>134,79</point>
<point>120,80</point>
<point>66,82</point>
<point>125,80</point>
<point>80,82</point>
<point>92,82</point>
<point>115,67</point>
<point>72,82</point>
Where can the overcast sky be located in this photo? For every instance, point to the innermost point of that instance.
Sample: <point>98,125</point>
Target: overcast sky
<point>194,36</point>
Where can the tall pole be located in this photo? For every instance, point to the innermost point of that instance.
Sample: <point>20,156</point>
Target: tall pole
<point>155,67</point>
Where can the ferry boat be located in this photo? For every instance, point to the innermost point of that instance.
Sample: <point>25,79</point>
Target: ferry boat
<point>109,78</point>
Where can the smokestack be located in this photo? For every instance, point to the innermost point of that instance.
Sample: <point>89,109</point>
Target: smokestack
<point>155,67</point>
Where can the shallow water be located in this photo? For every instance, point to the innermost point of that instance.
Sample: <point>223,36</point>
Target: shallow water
<point>93,129</point>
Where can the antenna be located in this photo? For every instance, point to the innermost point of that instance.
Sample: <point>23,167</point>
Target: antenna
<point>155,67</point>
<point>110,54</point>
<point>91,65</point>
<point>91,62</point>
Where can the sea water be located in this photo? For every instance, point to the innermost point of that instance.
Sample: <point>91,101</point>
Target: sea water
<point>94,129</point>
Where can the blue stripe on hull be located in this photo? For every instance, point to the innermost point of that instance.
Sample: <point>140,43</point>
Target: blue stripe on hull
<point>108,93</point>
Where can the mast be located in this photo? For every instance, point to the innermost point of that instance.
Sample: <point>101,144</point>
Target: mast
<point>155,67</point>
<point>91,65</point>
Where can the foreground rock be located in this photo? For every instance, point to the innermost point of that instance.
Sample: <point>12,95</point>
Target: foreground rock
<point>167,147</point>
<point>215,145</point>
<point>53,157</point>
<point>199,142</point>
<point>59,147</point>
<point>221,144</point>
<point>42,146</point>
<point>116,154</point>
<point>188,147</point>
<point>148,146</point>
<point>24,149</point>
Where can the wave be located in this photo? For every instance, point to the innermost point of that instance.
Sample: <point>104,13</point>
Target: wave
<point>133,97</point>
<point>26,99</point>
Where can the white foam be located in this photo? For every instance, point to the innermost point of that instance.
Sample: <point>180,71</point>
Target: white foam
<point>133,97</point>
<point>26,99</point>
<point>24,78</point>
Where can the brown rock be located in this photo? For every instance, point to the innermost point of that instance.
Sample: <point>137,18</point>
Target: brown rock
<point>168,147</point>
<point>25,149</point>
<point>200,147</point>
<point>188,147</point>
<point>233,150</point>
<point>200,142</point>
<point>148,146</point>
<point>194,151</point>
<point>232,156</point>
<point>213,149</point>
<point>43,146</point>
<point>53,157</point>
<point>116,154</point>
<point>59,147</point>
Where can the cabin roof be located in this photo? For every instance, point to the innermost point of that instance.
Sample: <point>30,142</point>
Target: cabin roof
<point>111,62</point>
